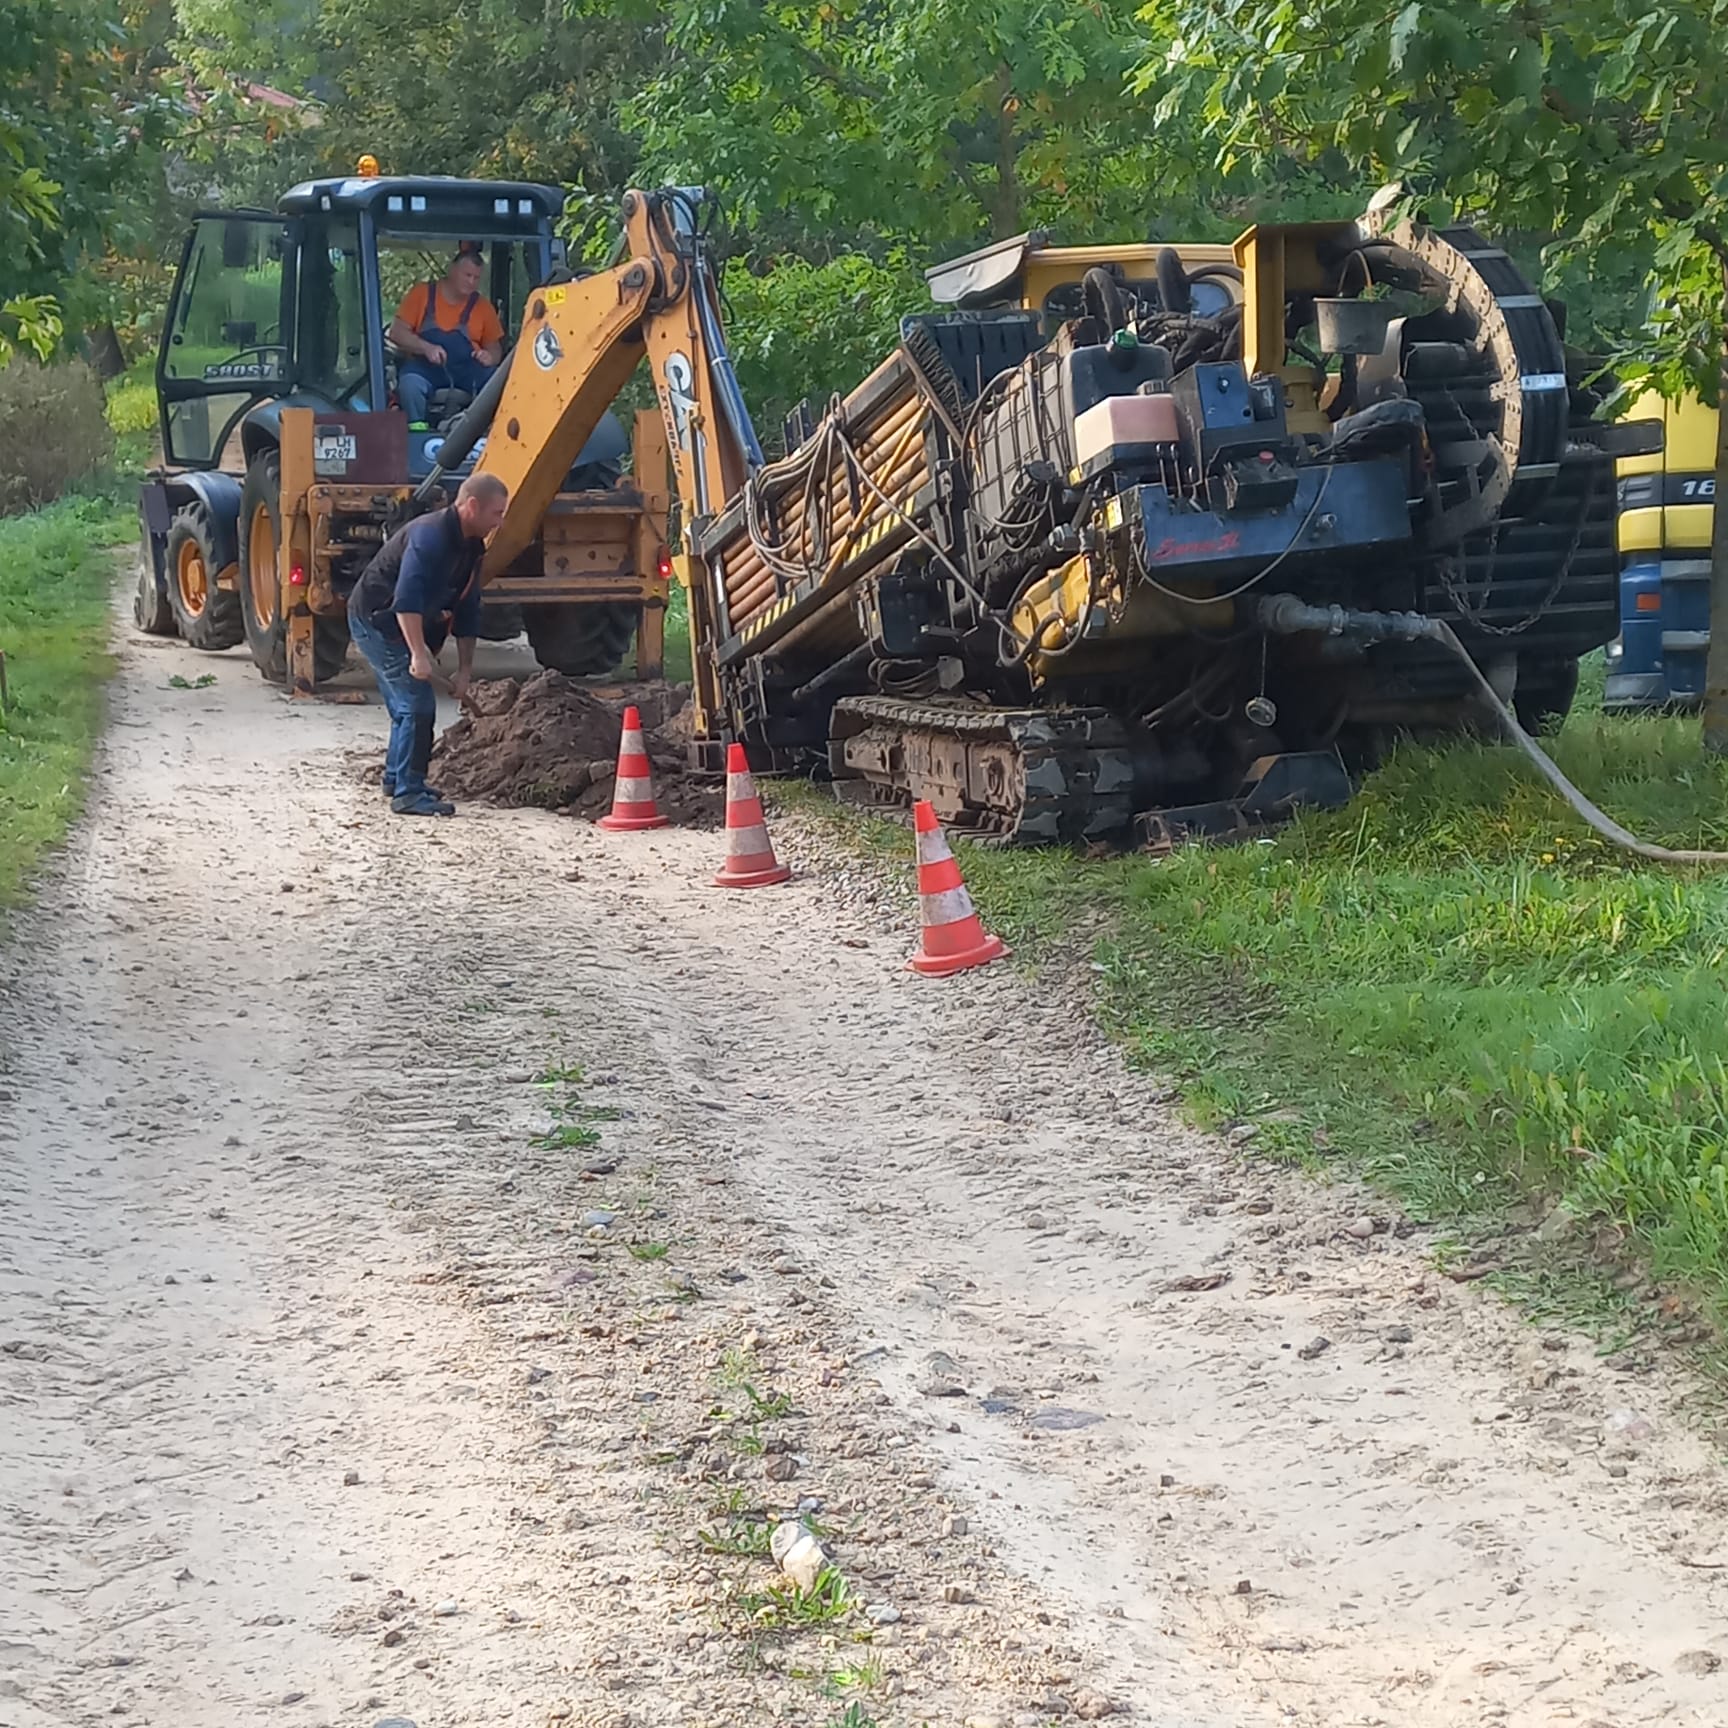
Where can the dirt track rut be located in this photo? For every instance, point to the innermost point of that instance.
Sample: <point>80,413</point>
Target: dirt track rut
<point>271,1217</point>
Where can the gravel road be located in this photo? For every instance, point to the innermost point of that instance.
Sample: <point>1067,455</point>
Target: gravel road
<point>432,1256</point>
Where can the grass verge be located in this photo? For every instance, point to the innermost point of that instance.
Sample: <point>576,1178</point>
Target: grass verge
<point>54,582</point>
<point>1450,987</point>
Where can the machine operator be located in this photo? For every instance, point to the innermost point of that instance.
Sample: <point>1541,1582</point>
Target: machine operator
<point>450,335</point>
<point>422,587</point>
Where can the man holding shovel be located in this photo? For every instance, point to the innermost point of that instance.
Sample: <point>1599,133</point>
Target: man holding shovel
<point>421,588</point>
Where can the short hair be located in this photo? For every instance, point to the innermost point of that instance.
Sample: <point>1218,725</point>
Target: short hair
<point>467,252</point>
<point>488,488</point>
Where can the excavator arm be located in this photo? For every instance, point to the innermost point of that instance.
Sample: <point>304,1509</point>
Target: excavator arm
<point>580,343</point>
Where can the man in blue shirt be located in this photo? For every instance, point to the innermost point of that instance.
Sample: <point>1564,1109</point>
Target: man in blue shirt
<point>422,587</point>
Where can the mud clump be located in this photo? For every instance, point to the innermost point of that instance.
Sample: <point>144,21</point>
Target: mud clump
<point>553,744</point>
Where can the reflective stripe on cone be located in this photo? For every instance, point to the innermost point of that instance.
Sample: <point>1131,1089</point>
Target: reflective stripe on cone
<point>633,804</point>
<point>750,860</point>
<point>953,938</point>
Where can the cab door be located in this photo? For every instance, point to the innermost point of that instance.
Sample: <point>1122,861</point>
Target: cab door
<point>226,343</point>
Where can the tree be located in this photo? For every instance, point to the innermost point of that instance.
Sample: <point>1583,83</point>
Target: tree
<point>1602,123</point>
<point>940,123</point>
<point>80,118</point>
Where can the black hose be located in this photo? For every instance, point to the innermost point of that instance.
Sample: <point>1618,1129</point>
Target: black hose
<point>1103,296</point>
<point>1173,286</point>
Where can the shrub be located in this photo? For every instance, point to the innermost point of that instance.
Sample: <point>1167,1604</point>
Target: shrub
<point>53,431</point>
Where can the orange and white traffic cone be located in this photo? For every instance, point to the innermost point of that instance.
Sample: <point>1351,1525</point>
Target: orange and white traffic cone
<point>750,860</point>
<point>953,938</point>
<point>633,805</point>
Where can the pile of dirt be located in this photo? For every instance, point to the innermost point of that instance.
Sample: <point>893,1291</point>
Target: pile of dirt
<point>552,743</point>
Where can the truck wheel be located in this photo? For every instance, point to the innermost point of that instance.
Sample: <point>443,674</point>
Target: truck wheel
<point>580,641</point>
<point>260,523</point>
<point>208,616</point>
<point>150,609</point>
<point>260,598</point>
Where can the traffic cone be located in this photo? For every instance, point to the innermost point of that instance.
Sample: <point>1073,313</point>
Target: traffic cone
<point>633,805</point>
<point>953,938</point>
<point>750,860</point>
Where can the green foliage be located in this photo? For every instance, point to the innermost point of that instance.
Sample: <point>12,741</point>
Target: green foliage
<point>932,121</point>
<point>53,631</point>
<point>799,329</point>
<point>1603,123</point>
<point>54,431</point>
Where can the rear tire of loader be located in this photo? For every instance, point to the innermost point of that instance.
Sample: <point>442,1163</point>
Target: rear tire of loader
<point>208,616</point>
<point>150,609</point>
<point>261,617</point>
<point>580,641</point>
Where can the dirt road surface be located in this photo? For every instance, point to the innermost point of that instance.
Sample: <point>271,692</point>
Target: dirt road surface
<point>334,1388</point>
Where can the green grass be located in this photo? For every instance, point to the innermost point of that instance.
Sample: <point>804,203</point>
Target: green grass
<point>1450,985</point>
<point>54,582</point>
<point>678,661</point>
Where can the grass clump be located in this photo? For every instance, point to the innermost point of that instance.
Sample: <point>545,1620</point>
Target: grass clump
<point>54,581</point>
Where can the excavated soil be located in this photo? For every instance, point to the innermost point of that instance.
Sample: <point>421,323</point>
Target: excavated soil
<point>553,744</point>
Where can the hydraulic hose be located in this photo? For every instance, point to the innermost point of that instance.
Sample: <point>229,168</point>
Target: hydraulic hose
<point>1286,615</point>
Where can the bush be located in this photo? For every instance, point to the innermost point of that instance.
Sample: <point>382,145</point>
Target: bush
<point>54,431</point>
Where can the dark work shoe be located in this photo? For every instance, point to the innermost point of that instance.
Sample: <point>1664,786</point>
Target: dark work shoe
<point>432,791</point>
<point>421,804</point>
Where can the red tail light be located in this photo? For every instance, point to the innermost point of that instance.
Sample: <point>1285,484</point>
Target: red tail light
<point>664,565</point>
<point>296,575</point>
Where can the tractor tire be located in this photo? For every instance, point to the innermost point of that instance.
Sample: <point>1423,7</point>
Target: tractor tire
<point>580,641</point>
<point>500,623</point>
<point>150,609</point>
<point>260,600</point>
<point>208,617</point>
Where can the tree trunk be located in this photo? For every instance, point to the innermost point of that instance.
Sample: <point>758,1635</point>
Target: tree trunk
<point>1716,667</point>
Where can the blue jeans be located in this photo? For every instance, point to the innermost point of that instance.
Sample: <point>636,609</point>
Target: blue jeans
<point>411,703</point>
<point>414,388</point>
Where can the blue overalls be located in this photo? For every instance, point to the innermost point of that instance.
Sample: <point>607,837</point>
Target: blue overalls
<point>416,379</point>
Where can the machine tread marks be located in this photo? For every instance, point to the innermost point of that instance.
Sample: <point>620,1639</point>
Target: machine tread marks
<point>1073,777</point>
<point>260,609</point>
<point>208,617</point>
<point>579,641</point>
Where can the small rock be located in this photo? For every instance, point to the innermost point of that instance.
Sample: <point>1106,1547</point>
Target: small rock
<point>882,1614</point>
<point>1398,1335</point>
<point>1166,1480</point>
<point>953,1525</point>
<point>598,1220</point>
<point>391,1638</point>
<point>518,1076</point>
<point>1244,1587</point>
<point>958,1593</point>
<point>1092,1706</point>
<point>1314,1347</point>
<point>1697,1662</point>
<point>798,1554</point>
<point>350,1478</point>
<point>170,1279</point>
<point>232,1140</point>
<point>1036,1221</point>
<point>292,1697</point>
<point>537,1374</point>
<point>466,1124</point>
<point>782,1467</point>
<point>446,1610</point>
<point>600,1167</point>
<point>1242,1133</point>
<point>1360,1228</point>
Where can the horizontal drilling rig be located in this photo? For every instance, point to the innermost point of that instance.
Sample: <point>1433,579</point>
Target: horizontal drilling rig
<point>1144,540</point>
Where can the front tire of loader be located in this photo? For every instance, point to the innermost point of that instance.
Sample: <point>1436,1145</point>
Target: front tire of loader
<point>150,609</point>
<point>1543,695</point>
<point>261,616</point>
<point>208,616</point>
<point>580,641</point>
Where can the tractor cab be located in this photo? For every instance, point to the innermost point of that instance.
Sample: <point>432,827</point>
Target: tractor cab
<point>293,308</point>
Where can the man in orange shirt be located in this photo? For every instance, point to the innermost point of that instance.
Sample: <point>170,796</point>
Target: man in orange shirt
<point>450,334</point>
